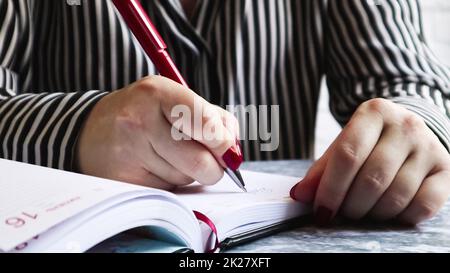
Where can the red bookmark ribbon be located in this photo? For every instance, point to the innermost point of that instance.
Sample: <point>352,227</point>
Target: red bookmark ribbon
<point>201,217</point>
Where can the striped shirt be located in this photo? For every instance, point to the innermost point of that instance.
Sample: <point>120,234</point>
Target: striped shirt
<point>57,60</point>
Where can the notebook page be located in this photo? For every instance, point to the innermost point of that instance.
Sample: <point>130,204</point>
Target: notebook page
<point>219,200</point>
<point>34,199</point>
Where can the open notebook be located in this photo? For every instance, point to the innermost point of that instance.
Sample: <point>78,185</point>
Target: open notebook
<point>46,210</point>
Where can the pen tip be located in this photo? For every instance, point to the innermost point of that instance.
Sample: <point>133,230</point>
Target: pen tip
<point>236,177</point>
<point>239,176</point>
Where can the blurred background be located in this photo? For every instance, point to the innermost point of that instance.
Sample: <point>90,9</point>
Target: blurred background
<point>436,17</point>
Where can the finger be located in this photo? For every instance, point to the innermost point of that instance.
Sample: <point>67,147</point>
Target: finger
<point>140,153</point>
<point>146,179</point>
<point>403,189</point>
<point>232,125</point>
<point>376,174</point>
<point>157,165</point>
<point>353,147</point>
<point>230,122</point>
<point>189,157</point>
<point>431,196</point>
<point>199,119</point>
<point>305,190</point>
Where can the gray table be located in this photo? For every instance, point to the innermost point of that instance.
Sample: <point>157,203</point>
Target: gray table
<point>431,236</point>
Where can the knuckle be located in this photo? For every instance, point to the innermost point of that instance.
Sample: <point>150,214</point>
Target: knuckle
<point>396,203</point>
<point>375,181</point>
<point>348,155</point>
<point>148,87</point>
<point>378,105</point>
<point>411,123</point>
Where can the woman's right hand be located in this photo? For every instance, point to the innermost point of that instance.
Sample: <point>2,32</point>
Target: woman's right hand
<point>128,136</point>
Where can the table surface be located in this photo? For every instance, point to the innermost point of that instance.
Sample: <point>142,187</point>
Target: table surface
<point>430,236</point>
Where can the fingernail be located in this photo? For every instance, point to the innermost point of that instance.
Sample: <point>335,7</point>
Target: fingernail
<point>323,216</point>
<point>292,192</point>
<point>232,158</point>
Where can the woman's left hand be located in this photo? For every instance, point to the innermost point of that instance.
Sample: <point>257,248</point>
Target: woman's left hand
<point>385,164</point>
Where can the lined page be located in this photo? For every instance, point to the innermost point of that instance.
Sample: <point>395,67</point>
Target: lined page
<point>264,190</point>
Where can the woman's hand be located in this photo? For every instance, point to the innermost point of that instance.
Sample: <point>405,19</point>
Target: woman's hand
<point>385,164</point>
<point>128,136</point>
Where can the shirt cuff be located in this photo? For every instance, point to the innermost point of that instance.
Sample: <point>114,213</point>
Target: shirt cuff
<point>88,101</point>
<point>435,118</point>
<point>44,127</point>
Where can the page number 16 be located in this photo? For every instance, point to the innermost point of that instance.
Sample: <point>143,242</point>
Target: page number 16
<point>21,220</point>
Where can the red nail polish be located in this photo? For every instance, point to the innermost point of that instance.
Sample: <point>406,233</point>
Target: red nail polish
<point>323,216</point>
<point>292,192</point>
<point>233,158</point>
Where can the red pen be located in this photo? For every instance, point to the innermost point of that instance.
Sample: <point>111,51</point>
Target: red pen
<point>152,43</point>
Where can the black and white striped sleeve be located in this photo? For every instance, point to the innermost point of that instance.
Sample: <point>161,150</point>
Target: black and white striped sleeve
<point>37,128</point>
<point>376,48</point>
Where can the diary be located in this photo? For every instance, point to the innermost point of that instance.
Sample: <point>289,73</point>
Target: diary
<point>47,210</point>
